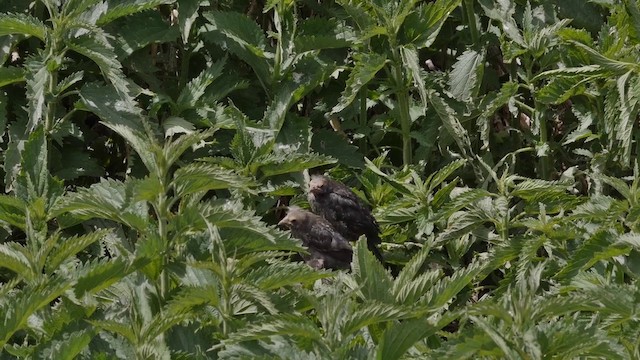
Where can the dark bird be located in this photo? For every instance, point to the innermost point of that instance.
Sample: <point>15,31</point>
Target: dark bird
<point>327,248</point>
<point>346,212</point>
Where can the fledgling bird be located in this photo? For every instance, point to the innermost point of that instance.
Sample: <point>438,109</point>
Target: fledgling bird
<point>327,248</point>
<point>345,211</point>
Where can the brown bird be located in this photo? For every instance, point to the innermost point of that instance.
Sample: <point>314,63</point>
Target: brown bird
<point>327,248</point>
<point>345,211</point>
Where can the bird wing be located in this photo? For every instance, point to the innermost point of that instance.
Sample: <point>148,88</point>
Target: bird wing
<point>324,238</point>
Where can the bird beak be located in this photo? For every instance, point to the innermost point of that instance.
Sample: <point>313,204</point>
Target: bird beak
<point>284,223</point>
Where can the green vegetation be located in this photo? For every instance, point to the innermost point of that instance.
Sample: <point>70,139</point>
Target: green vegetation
<point>148,147</point>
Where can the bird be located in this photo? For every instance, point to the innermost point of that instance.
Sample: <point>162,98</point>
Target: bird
<point>327,248</point>
<point>345,211</point>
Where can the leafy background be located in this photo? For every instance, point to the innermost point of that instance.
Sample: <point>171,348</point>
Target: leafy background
<point>148,147</point>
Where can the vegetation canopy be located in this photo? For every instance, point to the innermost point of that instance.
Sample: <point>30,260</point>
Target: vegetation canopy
<point>149,147</point>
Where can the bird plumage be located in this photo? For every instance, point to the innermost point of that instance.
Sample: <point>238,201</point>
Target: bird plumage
<point>327,248</point>
<point>344,210</point>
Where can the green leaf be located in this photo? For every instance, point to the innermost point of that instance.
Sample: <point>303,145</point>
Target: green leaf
<point>451,122</point>
<point>330,143</point>
<point>75,164</point>
<point>503,11</point>
<point>560,89</point>
<point>615,66</point>
<point>70,346</point>
<point>138,31</point>
<point>280,274</point>
<point>369,313</point>
<point>10,75</point>
<point>198,177</point>
<point>108,199</point>
<point>421,27</point>
<point>188,10</point>
<point>100,274</point>
<point>112,108</point>
<point>13,258</point>
<point>125,8</point>
<point>373,279</point>
<point>104,56</point>
<point>306,75</point>
<point>70,247</point>
<point>25,303</point>
<point>22,24</point>
<point>465,77</point>
<point>497,337</point>
<point>243,37</point>
<point>69,81</point>
<point>34,180</point>
<point>365,68</point>
<point>289,163</point>
<point>176,148</point>
<point>598,247</point>
<point>13,211</point>
<point>321,33</point>
<point>410,60</point>
<point>197,86</point>
<point>38,80</point>
<point>401,336</point>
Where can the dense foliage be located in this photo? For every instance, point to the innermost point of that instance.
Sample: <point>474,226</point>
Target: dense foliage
<point>149,146</point>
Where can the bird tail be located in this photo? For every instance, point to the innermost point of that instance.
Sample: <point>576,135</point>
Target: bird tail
<point>372,243</point>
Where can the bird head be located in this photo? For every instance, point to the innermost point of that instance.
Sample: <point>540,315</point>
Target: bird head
<point>295,217</point>
<point>319,185</point>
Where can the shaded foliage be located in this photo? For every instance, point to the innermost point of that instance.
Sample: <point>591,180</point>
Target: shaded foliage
<point>149,148</point>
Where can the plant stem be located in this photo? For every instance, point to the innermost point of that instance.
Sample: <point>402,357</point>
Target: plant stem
<point>471,19</point>
<point>402,97</point>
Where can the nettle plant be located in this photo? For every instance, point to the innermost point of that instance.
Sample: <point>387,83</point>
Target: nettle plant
<point>147,147</point>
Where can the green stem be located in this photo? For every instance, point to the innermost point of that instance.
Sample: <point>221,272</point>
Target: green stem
<point>402,97</point>
<point>471,19</point>
<point>363,119</point>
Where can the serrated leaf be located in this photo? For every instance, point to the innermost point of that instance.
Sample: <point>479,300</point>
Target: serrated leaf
<point>104,56</point>
<point>22,24</point>
<point>198,177</point>
<point>70,247</point>
<point>99,275</point>
<point>597,247</point>
<point>615,66</point>
<point>285,164</point>
<point>304,76</point>
<point>421,27</point>
<point>26,302</point>
<point>451,122</point>
<point>176,148</point>
<point>560,89</point>
<point>365,68</point>
<point>401,336</point>
<point>128,8</point>
<point>330,143</point>
<point>277,275</point>
<point>38,79</point>
<point>13,211</point>
<point>243,37</point>
<point>466,74</point>
<point>370,313</point>
<point>139,30</point>
<point>373,279</point>
<point>75,164</point>
<point>15,260</point>
<point>108,199</point>
<point>410,60</point>
<point>194,90</point>
<point>10,75</point>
